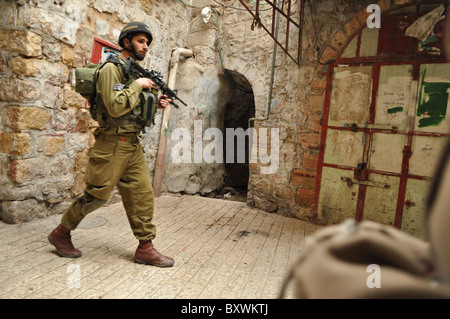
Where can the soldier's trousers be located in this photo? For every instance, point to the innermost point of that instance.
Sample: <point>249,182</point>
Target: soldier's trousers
<point>116,161</point>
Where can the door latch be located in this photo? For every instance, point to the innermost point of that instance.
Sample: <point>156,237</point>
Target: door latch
<point>351,181</point>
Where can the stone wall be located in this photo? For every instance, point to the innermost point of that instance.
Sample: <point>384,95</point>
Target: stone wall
<point>292,104</point>
<point>45,129</point>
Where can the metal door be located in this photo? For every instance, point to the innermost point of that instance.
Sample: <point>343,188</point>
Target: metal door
<point>385,128</point>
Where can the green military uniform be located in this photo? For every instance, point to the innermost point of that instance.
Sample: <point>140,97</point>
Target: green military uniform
<point>117,158</point>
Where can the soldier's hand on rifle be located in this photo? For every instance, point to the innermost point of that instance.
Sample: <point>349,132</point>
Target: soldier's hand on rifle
<point>145,83</point>
<point>163,101</point>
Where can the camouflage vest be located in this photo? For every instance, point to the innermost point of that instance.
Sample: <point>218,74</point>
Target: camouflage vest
<point>135,120</point>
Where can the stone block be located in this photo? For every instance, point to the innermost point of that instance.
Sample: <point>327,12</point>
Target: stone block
<point>102,27</point>
<point>15,212</point>
<point>362,16</point>
<point>18,171</point>
<point>54,145</point>
<point>23,66</point>
<point>54,73</point>
<point>51,50</point>
<point>25,42</point>
<point>72,98</point>
<point>19,90</point>
<point>315,103</point>
<point>61,24</point>
<point>308,139</point>
<point>339,39</point>
<point>304,178</point>
<point>328,55</point>
<point>283,192</point>
<point>305,197</point>
<point>14,143</point>
<point>3,63</point>
<point>352,26</point>
<point>67,55</point>
<point>318,86</point>
<point>310,161</point>
<point>27,118</point>
<point>83,119</point>
<point>314,123</point>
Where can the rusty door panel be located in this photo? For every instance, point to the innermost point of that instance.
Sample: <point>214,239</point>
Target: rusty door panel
<point>338,199</point>
<point>380,201</point>
<point>425,151</point>
<point>350,96</point>
<point>414,207</point>
<point>394,94</point>
<point>387,152</point>
<point>369,41</point>
<point>344,148</point>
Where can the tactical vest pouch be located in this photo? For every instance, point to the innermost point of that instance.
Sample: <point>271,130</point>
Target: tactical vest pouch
<point>145,112</point>
<point>150,109</point>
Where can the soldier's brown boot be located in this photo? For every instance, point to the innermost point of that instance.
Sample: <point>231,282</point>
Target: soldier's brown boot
<point>147,254</point>
<point>61,239</point>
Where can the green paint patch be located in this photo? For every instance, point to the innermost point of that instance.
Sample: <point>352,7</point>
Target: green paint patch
<point>433,100</point>
<point>166,129</point>
<point>395,110</point>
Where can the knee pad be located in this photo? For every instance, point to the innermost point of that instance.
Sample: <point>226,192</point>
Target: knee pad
<point>89,203</point>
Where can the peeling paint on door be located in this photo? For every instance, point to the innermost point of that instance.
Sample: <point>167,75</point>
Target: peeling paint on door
<point>433,97</point>
<point>338,198</point>
<point>413,211</point>
<point>424,152</point>
<point>350,96</point>
<point>386,152</point>
<point>379,201</point>
<point>344,148</point>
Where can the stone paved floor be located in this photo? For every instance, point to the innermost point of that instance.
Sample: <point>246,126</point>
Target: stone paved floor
<point>222,250</point>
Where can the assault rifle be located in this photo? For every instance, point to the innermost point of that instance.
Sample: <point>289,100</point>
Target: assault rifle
<point>132,67</point>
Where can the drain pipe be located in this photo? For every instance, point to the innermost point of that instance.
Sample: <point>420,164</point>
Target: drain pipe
<point>157,178</point>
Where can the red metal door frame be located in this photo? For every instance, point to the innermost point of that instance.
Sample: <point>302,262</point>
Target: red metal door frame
<point>99,44</point>
<point>376,62</point>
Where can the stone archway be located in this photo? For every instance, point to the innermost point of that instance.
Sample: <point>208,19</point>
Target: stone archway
<point>238,112</point>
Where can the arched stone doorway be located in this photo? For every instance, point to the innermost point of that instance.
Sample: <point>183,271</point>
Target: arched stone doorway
<point>238,113</point>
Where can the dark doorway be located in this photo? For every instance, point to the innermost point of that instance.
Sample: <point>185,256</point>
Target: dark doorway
<point>239,111</point>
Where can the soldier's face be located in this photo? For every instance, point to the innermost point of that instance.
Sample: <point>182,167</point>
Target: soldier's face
<point>140,43</point>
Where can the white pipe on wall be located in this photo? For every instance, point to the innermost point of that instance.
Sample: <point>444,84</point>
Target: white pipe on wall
<point>159,167</point>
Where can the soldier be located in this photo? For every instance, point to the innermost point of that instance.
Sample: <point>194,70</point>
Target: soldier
<point>117,157</point>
